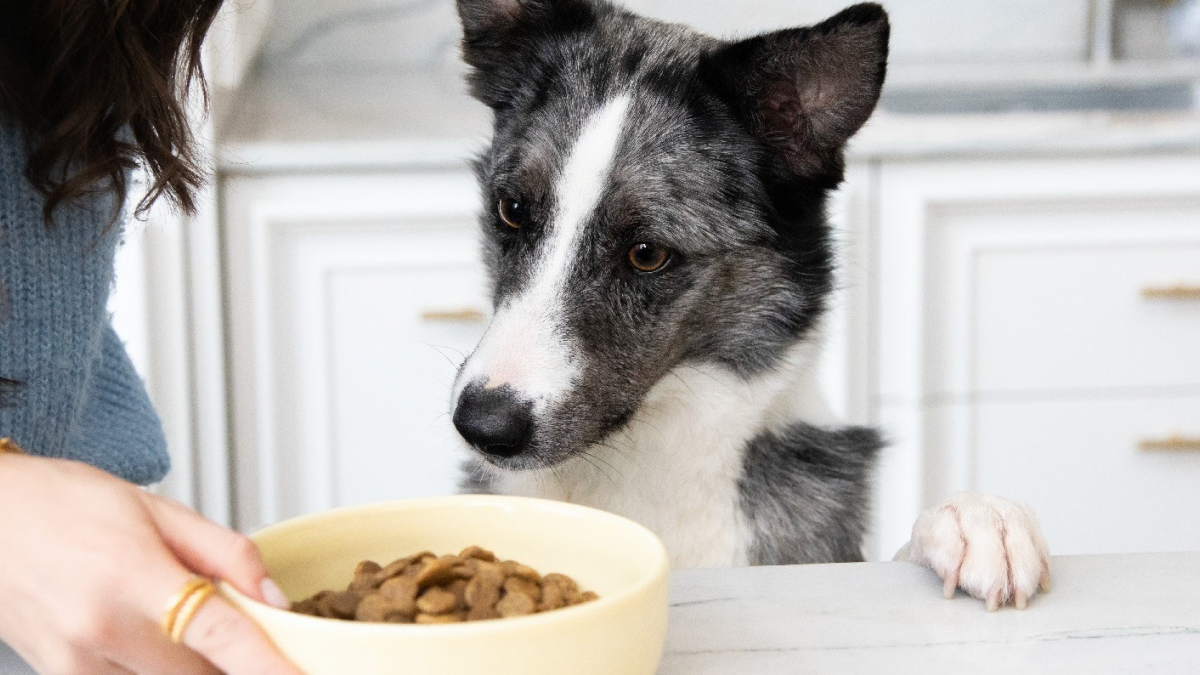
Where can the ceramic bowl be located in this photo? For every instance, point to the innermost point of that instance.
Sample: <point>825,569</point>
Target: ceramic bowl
<point>623,562</point>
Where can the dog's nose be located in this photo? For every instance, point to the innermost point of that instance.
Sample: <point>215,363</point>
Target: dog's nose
<point>494,420</point>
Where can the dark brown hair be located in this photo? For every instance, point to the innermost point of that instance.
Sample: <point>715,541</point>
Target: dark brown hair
<point>99,87</point>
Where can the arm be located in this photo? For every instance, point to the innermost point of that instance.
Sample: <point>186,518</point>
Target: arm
<point>78,396</point>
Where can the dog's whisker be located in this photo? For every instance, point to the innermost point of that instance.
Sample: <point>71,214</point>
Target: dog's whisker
<point>566,493</point>
<point>630,462</point>
<point>435,420</point>
<point>588,457</point>
<point>455,350</point>
<point>607,446</point>
<point>439,348</point>
<point>605,462</point>
<point>684,383</point>
<point>714,378</point>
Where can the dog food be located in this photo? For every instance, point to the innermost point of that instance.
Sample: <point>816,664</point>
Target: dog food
<point>425,588</point>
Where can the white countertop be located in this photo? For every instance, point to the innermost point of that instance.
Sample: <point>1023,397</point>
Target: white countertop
<point>1135,613</point>
<point>331,121</point>
<point>891,136</point>
<point>396,120</point>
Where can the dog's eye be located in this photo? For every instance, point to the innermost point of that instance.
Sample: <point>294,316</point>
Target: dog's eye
<point>512,212</point>
<point>649,258</point>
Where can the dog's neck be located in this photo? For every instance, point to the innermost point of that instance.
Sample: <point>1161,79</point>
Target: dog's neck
<point>675,467</point>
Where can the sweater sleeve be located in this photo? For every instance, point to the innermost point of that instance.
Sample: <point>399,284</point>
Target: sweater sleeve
<point>121,432</point>
<point>79,396</point>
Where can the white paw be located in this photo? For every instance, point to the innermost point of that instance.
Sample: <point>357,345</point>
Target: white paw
<point>990,547</point>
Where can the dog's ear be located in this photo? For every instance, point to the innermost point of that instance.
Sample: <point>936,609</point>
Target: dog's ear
<point>501,37</point>
<point>806,91</point>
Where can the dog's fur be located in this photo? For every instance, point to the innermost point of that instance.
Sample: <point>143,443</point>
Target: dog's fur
<point>685,398</point>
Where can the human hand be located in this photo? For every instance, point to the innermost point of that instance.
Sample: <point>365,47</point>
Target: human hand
<point>90,563</point>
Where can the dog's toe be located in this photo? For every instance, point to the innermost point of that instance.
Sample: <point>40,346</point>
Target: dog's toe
<point>991,548</point>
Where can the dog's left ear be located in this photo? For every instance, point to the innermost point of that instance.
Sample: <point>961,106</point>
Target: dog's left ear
<point>806,91</point>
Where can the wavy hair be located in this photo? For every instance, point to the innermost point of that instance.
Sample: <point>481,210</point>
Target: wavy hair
<point>99,87</point>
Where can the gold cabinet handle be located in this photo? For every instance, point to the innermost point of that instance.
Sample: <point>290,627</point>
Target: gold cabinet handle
<point>1174,443</point>
<point>463,315</point>
<point>1176,292</point>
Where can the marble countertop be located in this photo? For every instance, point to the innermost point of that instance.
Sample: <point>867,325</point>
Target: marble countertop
<point>1105,614</point>
<point>387,120</point>
<point>1135,613</point>
<point>323,121</point>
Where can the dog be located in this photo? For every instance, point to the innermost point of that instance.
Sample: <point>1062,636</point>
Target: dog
<point>660,260</point>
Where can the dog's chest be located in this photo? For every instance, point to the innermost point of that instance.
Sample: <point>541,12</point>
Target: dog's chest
<point>677,466</point>
<point>683,486</point>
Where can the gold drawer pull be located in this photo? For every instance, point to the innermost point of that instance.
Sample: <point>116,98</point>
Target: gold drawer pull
<point>465,315</point>
<point>1176,292</point>
<point>1174,443</point>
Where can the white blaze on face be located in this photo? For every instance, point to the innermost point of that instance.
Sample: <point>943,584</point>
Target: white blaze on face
<point>526,346</point>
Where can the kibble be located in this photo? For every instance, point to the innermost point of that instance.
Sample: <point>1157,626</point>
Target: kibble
<point>429,589</point>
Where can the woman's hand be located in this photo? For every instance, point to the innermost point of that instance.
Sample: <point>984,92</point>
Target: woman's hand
<point>88,564</point>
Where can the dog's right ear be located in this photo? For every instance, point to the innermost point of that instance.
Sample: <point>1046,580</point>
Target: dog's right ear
<point>501,39</point>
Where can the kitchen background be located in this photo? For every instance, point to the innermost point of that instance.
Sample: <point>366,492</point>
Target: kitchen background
<point>1020,228</point>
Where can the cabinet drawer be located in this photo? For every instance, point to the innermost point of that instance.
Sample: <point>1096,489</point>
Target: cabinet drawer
<point>1079,464</point>
<point>1087,316</point>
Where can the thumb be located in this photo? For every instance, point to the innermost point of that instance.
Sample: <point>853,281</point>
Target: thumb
<point>209,549</point>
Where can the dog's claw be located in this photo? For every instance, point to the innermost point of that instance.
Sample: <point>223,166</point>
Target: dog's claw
<point>991,548</point>
<point>1021,600</point>
<point>951,584</point>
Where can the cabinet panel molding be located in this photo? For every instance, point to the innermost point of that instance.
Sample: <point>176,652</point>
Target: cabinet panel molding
<point>294,243</point>
<point>946,234</point>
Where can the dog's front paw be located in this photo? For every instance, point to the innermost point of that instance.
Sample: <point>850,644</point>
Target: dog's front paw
<point>990,547</point>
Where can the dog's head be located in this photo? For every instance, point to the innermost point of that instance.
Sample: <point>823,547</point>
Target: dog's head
<point>653,197</point>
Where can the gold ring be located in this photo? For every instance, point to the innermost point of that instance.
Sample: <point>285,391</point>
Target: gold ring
<point>9,447</point>
<point>184,605</point>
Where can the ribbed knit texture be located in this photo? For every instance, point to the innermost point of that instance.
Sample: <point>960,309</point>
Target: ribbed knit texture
<point>80,397</point>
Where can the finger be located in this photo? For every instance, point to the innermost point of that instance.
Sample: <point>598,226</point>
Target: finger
<point>80,662</point>
<point>232,642</point>
<point>211,550</point>
<point>152,653</point>
<point>117,668</point>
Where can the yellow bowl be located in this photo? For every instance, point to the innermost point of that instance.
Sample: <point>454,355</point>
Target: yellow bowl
<point>622,561</point>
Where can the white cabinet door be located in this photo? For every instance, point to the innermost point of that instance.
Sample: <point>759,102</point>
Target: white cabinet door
<point>1082,464</point>
<point>1018,284</point>
<point>352,301</point>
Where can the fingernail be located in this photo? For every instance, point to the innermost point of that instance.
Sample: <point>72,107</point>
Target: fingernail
<point>274,595</point>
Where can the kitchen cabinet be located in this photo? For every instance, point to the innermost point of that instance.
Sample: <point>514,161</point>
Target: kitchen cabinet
<point>1033,330</point>
<point>1013,310</point>
<point>352,299</point>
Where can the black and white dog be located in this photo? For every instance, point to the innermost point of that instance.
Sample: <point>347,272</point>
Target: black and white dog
<point>660,260</point>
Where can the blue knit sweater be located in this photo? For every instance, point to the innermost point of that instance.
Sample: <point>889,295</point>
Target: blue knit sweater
<point>79,396</point>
